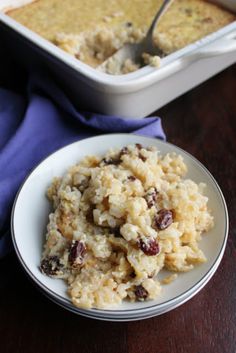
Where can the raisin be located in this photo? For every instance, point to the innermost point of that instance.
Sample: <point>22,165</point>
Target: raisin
<point>77,252</point>
<point>163,219</point>
<point>51,266</point>
<point>140,292</point>
<point>150,247</point>
<point>207,20</point>
<point>89,214</point>
<point>116,232</point>
<point>139,146</point>
<point>142,157</point>
<point>132,274</point>
<point>151,197</point>
<point>117,159</point>
<point>132,178</point>
<point>123,151</point>
<point>114,161</point>
<point>105,203</point>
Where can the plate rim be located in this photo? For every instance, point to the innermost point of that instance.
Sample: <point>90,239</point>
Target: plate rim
<point>144,316</point>
<point>165,303</point>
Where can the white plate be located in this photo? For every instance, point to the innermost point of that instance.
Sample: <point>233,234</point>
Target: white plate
<point>30,216</point>
<point>136,315</point>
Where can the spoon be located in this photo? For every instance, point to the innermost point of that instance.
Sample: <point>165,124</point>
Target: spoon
<point>134,51</point>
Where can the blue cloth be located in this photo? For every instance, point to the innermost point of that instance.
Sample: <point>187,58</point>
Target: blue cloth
<point>37,124</point>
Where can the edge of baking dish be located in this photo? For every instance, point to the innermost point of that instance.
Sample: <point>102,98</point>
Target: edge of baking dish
<point>217,43</point>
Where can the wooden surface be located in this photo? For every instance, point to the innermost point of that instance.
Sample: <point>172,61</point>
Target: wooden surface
<point>203,123</point>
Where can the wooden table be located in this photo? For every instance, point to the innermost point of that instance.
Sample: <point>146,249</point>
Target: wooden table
<point>203,123</point>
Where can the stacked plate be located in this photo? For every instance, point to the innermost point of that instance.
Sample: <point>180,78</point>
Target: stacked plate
<point>30,216</point>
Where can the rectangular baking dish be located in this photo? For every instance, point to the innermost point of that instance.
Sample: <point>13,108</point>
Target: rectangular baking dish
<point>133,95</point>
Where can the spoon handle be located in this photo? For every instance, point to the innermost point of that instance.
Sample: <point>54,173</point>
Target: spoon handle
<point>160,12</point>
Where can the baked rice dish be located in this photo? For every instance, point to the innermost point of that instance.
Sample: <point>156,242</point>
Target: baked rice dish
<point>117,220</point>
<point>93,36</point>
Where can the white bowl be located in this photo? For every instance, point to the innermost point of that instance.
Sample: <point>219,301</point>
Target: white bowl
<point>156,311</point>
<point>30,216</point>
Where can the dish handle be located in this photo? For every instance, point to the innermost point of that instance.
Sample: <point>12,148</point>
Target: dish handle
<point>220,47</point>
<point>225,45</point>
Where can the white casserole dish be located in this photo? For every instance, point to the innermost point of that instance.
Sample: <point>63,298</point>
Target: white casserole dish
<point>133,95</point>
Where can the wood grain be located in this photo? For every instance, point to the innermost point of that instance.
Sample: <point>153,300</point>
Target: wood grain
<point>203,122</point>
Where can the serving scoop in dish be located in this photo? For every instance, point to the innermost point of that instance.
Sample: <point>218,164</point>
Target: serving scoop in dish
<point>135,51</point>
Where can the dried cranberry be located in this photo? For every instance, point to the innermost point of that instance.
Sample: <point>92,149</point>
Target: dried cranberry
<point>51,266</point>
<point>131,178</point>
<point>150,247</point>
<point>163,219</point>
<point>151,197</point>
<point>140,292</point>
<point>77,252</point>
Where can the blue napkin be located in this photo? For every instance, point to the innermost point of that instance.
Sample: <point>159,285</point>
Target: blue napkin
<point>37,124</point>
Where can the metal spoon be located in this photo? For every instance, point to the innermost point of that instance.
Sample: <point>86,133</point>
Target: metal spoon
<point>134,51</point>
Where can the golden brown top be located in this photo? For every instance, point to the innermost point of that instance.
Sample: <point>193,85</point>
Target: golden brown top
<point>185,22</point>
<point>191,17</point>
